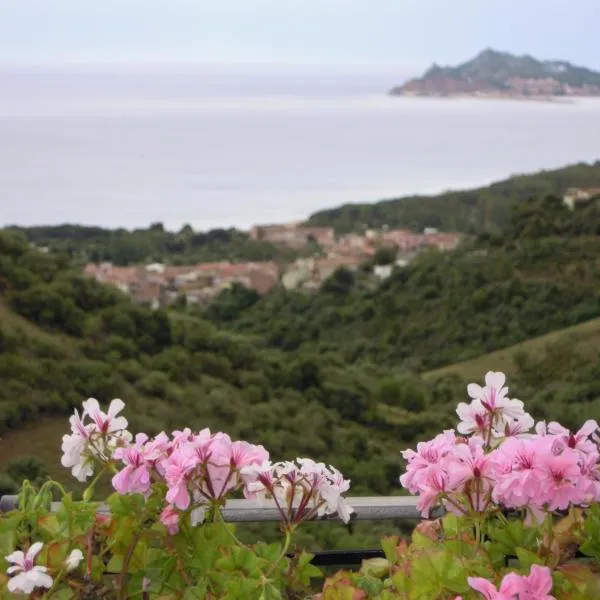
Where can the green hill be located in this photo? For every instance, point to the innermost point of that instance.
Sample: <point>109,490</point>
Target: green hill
<point>539,275</point>
<point>485,209</point>
<point>64,338</point>
<point>582,339</point>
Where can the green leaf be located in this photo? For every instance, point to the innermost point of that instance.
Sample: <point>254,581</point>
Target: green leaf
<point>389,545</point>
<point>270,592</point>
<point>528,558</point>
<point>115,564</point>
<point>194,593</point>
<point>10,523</point>
<point>376,567</point>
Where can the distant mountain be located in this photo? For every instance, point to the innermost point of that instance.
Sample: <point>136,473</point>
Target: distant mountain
<point>493,73</point>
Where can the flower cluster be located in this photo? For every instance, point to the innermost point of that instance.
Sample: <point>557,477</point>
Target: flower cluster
<point>199,469</point>
<point>96,440</point>
<point>535,586</point>
<point>300,491</point>
<point>26,575</point>
<point>501,464</point>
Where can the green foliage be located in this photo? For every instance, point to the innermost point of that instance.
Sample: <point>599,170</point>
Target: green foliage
<point>123,247</point>
<point>485,209</point>
<point>538,276</point>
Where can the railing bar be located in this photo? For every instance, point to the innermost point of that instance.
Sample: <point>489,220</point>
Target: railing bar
<point>367,508</point>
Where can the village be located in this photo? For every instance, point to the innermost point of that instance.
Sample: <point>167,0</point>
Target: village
<point>160,285</point>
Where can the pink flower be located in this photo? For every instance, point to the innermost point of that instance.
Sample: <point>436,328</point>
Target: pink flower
<point>135,477</point>
<point>244,454</point>
<point>578,441</point>
<point>259,481</point>
<point>537,585</point>
<point>470,468</point>
<point>169,517</point>
<point>436,483</point>
<point>178,467</point>
<point>510,587</point>
<point>425,459</point>
<point>561,481</point>
<point>517,472</point>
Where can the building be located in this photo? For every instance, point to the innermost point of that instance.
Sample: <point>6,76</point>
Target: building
<point>577,196</point>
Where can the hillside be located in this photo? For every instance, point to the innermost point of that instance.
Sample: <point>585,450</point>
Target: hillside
<point>154,244</point>
<point>64,338</point>
<point>484,209</point>
<point>501,74</point>
<point>336,376</point>
<point>540,274</point>
<point>582,339</point>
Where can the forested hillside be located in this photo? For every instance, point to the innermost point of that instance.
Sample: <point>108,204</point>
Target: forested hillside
<point>485,209</point>
<point>539,275</point>
<point>154,244</point>
<point>342,375</point>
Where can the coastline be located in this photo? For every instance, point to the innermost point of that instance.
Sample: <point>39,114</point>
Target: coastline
<point>484,96</point>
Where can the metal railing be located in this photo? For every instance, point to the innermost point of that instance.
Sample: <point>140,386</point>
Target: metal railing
<point>366,508</point>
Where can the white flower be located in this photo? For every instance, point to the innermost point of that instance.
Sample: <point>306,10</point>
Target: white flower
<point>474,418</point>
<point>97,440</point>
<point>72,561</point>
<point>490,405</point>
<point>75,448</point>
<point>25,576</point>
<point>106,422</point>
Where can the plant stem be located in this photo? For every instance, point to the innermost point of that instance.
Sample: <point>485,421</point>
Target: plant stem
<point>180,567</point>
<point>286,545</point>
<point>226,527</point>
<point>128,556</point>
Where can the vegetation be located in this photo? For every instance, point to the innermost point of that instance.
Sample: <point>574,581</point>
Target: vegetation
<point>486,209</point>
<point>350,375</point>
<point>493,70</point>
<point>64,338</point>
<point>155,244</point>
<point>539,275</point>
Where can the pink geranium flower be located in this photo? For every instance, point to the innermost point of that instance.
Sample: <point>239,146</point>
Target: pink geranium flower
<point>169,517</point>
<point>517,472</point>
<point>425,459</point>
<point>178,467</point>
<point>431,490</point>
<point>561,481</point>
<point>135,477</point>
<point>510,587</point>
<point>579,440</point>
<point>537,585</point>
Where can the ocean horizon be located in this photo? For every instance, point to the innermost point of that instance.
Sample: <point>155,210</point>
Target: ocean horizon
<point>221,148</point>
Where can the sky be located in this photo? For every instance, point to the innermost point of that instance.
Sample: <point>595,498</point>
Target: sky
<point>407,33</point>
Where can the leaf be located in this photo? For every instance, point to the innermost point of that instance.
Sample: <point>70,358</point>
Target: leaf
<point>376,567</point>
<point>528,558</point>
<point>194,593</point>
<point>389,545</point>
<point>10,523</point>
<point>115,564</point>
<point>48,526</point>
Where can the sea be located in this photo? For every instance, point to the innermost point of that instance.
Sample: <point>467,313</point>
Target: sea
<point>216,146</point>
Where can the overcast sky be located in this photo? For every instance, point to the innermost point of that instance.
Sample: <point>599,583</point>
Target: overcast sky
<point>411,33</point>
